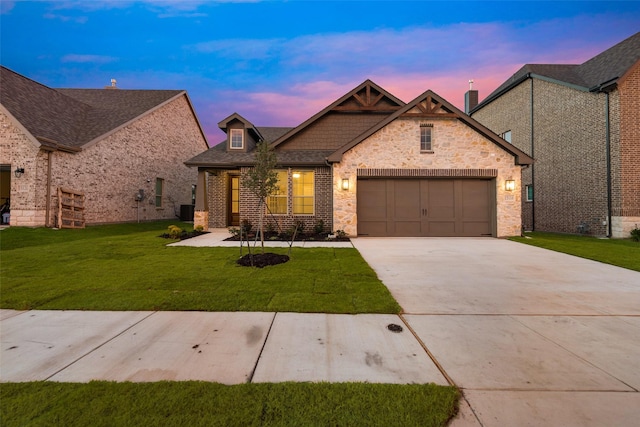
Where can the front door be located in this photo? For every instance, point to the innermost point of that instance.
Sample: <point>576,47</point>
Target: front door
<point>233,201</point>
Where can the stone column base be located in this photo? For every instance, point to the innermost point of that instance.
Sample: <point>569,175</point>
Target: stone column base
<point>201,218</point>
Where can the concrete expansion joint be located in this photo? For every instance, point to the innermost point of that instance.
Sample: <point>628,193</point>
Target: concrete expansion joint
<point>431,356</point>
<point>264,343</point>
<point>99,346</point>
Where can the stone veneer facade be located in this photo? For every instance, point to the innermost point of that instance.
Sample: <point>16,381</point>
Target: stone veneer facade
<point>455,146</point>
<point>110,172</point>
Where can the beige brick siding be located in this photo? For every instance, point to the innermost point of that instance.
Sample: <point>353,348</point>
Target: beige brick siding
<point>111,171</point>
<point>455,146</point>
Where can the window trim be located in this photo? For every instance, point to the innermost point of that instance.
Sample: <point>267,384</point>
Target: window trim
<point>312,196</point>
<point>159,197</point>
<point>231,136</point>
<point>426,146</point>
<point>526,193</point>
<point>284,195</point>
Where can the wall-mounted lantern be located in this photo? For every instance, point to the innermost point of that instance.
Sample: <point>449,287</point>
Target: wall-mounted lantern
<point>18,172</point>
<point>345,183</point>
<point>510,185</point>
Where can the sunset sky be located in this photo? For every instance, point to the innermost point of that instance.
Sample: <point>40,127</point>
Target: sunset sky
<point>278,62</point>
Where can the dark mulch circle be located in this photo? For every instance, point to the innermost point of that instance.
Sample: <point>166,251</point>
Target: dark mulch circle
<point>262,260</point>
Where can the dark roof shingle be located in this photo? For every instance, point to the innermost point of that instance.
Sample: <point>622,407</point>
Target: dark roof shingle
<point>605,67</point>
<point>74,117</point>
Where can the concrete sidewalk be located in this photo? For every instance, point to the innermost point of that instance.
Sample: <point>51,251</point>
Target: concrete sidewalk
<point>229,348</point>
<point>216,238</point>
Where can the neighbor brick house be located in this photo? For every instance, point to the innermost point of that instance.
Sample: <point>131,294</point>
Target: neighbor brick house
<point>371,165</point>
<point>106,144</point>
<point>582,125</point>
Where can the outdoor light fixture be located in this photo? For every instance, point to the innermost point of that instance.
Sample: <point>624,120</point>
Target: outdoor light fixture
<point>510,185</point>
<point>18,172</point>
<point>345,183</point>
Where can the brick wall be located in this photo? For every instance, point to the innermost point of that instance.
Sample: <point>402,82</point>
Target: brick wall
<point>512,112</point>
<point>629,206</point>
<point>569,149</point>
<point>455,146</point>
<point>18,150</point>
<point>111,171</point>
<point>322,207</point>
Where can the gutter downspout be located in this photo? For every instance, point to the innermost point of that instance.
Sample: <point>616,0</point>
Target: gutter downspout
<point>608,155</point>
<point>533,166</point>
<point>48,203</point>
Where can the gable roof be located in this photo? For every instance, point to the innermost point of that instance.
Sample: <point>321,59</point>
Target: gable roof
<point>603,70</point>
<point>70,119</point>
<point>366,97</point>
<point>431,105</point>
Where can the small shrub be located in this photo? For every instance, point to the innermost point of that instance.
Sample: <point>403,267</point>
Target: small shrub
<point>199,228</point>
<point>235,232</point>
<point>175,232</point>
<point>270,228</point>
<point>340,234</point>
<point>319,227</point>
<point>299,224</point>
<point>246,226</point>
<point>635,234</point>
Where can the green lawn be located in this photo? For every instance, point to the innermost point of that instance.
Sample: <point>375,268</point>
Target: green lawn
<point>621,252</point>
<point>211,404</point>
<point>128,267</point>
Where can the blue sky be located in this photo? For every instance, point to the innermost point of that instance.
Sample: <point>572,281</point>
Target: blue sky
<point>277,63</point>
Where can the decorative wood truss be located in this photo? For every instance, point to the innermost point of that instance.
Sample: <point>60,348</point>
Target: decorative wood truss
<point>369,99</point>
<point>430,107</point>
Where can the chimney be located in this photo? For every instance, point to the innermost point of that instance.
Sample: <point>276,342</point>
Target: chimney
<point>113,85</point>
<point>470,98</point>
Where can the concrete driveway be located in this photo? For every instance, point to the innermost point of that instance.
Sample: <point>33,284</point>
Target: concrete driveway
<point>531,336</point>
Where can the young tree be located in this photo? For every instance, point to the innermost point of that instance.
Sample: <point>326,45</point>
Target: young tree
<point>262,180</point>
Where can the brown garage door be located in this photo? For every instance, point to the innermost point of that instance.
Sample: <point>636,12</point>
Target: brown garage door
<point>425,207</point>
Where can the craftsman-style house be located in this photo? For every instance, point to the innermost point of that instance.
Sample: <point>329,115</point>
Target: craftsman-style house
<point>371,165</point>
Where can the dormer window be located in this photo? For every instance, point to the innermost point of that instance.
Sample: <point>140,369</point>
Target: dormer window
<point>237,139</point>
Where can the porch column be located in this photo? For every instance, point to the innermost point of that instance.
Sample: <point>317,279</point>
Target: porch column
<point>201,213</point>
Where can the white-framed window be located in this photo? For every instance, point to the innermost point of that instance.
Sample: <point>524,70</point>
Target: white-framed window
<point>237,138</point>
<point>303,192</point>
<point>159,189</point>
<point>528,193</point>
<point>277,202</point>
<point>426,137</point>
<point>506,136</point>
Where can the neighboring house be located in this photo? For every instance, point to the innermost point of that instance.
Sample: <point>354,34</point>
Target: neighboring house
<point>581,123</point>
<point>124,150</point>
<point>371,165</point>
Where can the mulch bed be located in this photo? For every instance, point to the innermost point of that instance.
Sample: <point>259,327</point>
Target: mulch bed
<point>274,237</point>
<point>262,260</point>
<point>185,234</point>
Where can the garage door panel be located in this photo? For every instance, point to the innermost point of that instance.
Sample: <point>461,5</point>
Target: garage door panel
<point>475,200</point>
<point>425,207</point>
<point>440,198</point>
<point>441,229</point>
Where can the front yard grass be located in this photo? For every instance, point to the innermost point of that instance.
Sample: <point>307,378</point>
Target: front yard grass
<point>209,404</point>
<point>128,267</point>
<point>620,252</point>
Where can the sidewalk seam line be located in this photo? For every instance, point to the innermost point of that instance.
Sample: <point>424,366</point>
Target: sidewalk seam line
<point>264,344</point>
<point>97,347</point>
<point>431,356</point>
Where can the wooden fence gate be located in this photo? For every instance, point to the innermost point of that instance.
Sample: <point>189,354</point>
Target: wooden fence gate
<point>70,208</point>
